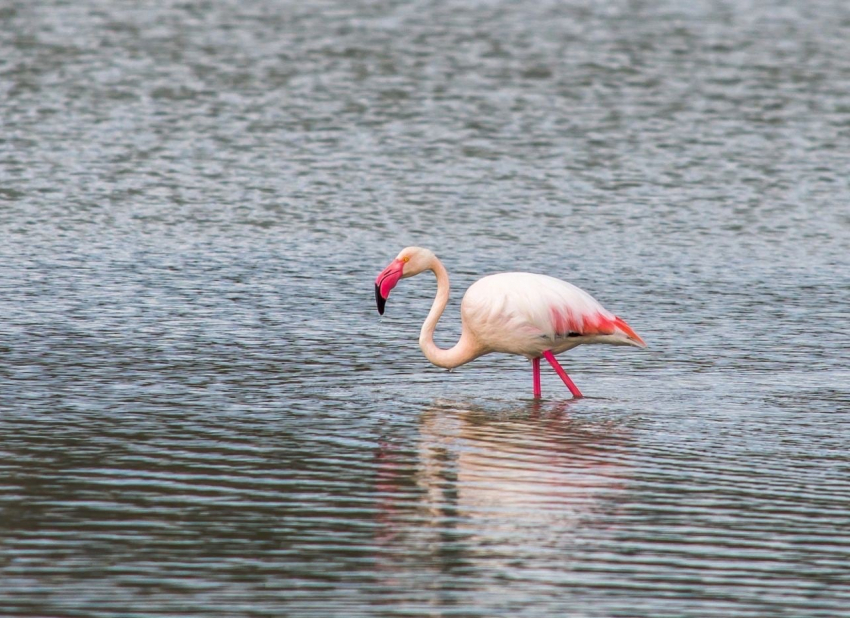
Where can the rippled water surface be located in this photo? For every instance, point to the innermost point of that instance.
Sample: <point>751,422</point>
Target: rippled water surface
<point>202,414</point>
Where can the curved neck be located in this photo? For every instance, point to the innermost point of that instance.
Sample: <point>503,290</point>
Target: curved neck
<point>466,349</point>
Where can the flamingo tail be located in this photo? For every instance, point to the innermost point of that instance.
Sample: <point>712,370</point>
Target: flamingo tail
<point>620,323</point>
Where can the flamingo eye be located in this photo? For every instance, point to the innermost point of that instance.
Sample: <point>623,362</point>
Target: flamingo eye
<point>405,259</point>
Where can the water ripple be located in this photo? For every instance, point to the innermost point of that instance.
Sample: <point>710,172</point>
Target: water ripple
<point>202,414</point>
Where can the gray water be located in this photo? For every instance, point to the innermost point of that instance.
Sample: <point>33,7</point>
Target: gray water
<point>201,413</point>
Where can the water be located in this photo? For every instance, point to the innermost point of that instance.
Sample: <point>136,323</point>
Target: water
<point>202,413</point>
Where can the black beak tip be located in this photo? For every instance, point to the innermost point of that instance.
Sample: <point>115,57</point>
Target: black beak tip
<point>380,299</point>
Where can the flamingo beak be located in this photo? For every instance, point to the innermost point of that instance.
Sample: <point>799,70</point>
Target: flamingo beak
<point>386,281</point>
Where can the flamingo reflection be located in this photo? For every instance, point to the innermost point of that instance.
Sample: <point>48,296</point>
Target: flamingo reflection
<point>518,482</point>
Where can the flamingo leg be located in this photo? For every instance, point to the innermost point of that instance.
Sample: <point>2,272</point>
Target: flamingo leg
<point>563,374</point>
<point>535,374</point>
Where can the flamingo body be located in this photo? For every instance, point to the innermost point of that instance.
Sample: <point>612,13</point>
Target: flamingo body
<point>528,314</point>
<point>515,313</point>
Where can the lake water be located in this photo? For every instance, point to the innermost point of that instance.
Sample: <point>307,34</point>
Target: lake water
<point>201,413</point>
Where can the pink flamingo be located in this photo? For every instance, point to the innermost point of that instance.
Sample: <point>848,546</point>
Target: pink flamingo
<point>517,313</point>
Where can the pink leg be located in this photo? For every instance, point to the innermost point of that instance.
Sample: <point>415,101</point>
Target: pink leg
<point>535,371</point>
<point>560,371</point>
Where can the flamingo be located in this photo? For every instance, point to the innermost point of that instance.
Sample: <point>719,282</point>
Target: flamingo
<point>516,313</point>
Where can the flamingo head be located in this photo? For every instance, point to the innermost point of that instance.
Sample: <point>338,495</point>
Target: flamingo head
<point>411,261</point>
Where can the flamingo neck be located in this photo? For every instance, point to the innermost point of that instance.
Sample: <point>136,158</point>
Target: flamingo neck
<point>466,349</point>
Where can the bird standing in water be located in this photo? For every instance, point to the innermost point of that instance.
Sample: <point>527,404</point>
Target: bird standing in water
<point>516,313</point>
